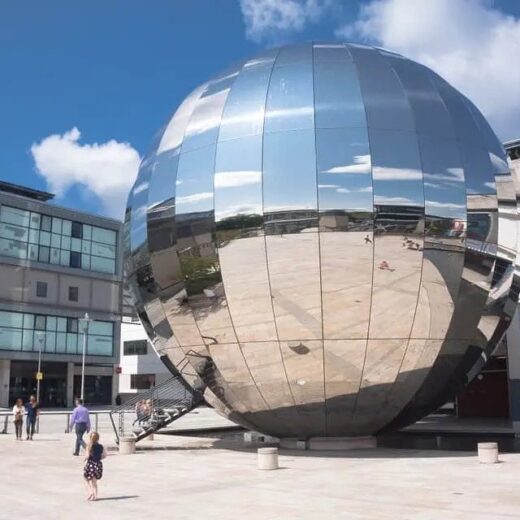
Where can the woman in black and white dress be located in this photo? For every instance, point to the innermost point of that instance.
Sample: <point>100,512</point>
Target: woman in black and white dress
<point>93,470</point>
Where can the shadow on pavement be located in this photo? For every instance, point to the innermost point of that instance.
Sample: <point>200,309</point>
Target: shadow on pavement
<point>123,497</point>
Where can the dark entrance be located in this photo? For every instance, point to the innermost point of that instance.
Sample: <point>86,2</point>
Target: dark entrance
<point>98,389</point>
<point>53,387</point>
<point>487,395</point>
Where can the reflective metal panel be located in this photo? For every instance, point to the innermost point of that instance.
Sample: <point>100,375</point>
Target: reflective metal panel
<point>343,367</point>
<point>138,228</point>
<point>445,207</point>
<point>346,276</point>
<point>385,101</point>
<point>230,363</point>
<point>429,111</point>
<point>344,179</point>
<point>303,361</point>
<point>238,214</point>
<point>297,306</point>
<point>174,131</point>
<point>289,182</point>
<point>204,123</point>
<point>161,201</point>
<point>419,357</point>
<point>251,309</point>
<point>290,99</point>
<point>238,187</point>
<point>245,105</point>
<point>196,246</point>
<point>267,368</point>
<point>382,362</point>
<point>398,235</point>
<point>337,94</point>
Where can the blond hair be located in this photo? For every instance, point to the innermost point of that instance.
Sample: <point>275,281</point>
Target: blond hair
<point>93,439</point>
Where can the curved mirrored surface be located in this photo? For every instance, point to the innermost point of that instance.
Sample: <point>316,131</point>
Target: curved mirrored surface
<point>324,239</point>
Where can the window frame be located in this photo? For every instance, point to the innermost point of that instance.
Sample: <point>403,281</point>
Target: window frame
<point>73,290</point>
<point>133,347</point>
<point>41,287</point>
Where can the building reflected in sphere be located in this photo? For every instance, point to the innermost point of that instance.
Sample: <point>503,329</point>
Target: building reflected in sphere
<point>321,238</point>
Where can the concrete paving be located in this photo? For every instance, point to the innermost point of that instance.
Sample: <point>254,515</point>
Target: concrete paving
<point>215,477</point>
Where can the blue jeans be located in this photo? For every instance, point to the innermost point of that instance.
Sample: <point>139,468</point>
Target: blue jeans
<point>80,429</point>
<point>30,425</point>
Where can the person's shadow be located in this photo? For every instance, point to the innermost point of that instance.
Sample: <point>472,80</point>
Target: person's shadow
<point>122,497</point>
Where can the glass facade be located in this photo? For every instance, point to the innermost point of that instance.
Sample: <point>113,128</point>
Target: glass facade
<point>57,335</point>
<point>41,238</point>
<point>318,234</point>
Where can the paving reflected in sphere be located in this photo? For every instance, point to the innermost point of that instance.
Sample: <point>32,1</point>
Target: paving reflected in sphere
<point>320,238</point>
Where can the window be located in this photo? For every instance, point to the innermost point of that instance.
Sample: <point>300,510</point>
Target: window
<point>73,294</point>
<point>44,254</point>
<point>41,289</point>
<point>46,223</point>
<point>142,381</point>
<point>72,325</point>
<point>42,238</point>
<point>77,230</point>
<point>75,259</point>
<point>39,322</point>
<point>22,332</point>
<point>135,348</point>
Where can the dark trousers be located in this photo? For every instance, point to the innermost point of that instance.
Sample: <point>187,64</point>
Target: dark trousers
<point>81,428</point>
<point>18,428</point>
<point>30,425</point>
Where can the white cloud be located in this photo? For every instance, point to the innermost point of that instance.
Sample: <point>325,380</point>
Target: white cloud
<point>361,164</point>
<point>237,178</point>
<point>384,173</point>
<point>468,42</point>
<point>196,197</point>
<point>398,201</point>
<point>270,19</point>
<point>106,169</point>
<point>444,205</point>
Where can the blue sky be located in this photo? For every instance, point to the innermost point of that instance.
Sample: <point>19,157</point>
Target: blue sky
<point>116,69</point>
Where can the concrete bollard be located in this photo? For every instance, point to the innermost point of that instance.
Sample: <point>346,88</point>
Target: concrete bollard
<point>267,458</point>
<point>126,445</point>
<point>487,452</point>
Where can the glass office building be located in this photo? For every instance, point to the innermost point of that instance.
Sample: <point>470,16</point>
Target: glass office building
<point>55,266</point>
<point>325,235</point>
<point>42,238</point>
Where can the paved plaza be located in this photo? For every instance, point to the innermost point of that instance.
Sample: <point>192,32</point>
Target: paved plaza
<point>214,476</point>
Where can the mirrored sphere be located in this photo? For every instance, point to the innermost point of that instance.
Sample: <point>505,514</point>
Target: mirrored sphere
<point>323,239</point>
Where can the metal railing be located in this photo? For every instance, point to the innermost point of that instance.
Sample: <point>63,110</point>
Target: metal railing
<point>6,418</point>
<point>154,409</point>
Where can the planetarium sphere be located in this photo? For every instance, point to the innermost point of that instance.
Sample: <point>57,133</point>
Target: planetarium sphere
<point>320,240</point>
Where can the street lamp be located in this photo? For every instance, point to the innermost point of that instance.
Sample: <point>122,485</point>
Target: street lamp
<point>41,339</point>
<point>84,322</point>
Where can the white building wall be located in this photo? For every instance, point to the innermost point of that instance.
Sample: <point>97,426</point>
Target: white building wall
<point>133,364</point>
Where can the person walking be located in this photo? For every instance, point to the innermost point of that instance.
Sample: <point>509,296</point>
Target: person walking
<point>93,470</point>
<point>32,409</point>
<point>18,413</point>
<point>80,420</point>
